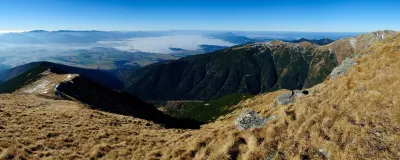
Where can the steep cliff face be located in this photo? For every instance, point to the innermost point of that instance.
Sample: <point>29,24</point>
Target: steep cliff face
<point>253,68</point>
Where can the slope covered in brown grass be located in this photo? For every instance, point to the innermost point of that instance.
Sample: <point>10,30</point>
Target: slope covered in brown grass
<point>36,127</point>
<point>356,116</point>
<point>348,46</point>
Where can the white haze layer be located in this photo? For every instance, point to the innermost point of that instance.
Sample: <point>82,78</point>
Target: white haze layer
<point>18,54</point>
<point>164,43</point>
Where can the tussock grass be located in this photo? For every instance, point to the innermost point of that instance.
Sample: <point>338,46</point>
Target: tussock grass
<point>356,116</point>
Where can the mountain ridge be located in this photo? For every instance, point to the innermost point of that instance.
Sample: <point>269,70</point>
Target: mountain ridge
<point>354,116</point>
<point>101,77</point>
<point>268,66</point>
<point>232,67</point>
<point>52,81</point>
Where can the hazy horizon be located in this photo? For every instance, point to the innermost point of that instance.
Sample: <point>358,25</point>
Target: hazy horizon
<point>87,30</point>
<point>211,15</point>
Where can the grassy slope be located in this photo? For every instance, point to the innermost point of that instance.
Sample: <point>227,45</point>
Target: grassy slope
<point>23,79</point>
<point>352,117</point>
<point>19,75</point>
<point>249,69</point>
<point>205,111</point>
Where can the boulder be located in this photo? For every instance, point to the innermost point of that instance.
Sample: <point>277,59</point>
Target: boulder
<point>249,119</point>
<point>289,97</point>
<point>342,68</point>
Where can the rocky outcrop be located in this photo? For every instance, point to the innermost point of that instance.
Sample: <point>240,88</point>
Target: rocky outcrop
<point>249,119</point>
<point>289,97</point>
<point>346,47</point>
<point>342,68</point>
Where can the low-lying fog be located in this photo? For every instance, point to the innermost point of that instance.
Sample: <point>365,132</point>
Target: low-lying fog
<point>17,54</point>
<point>164,43</point>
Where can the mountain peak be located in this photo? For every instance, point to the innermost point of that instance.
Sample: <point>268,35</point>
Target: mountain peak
<point>37,31</point>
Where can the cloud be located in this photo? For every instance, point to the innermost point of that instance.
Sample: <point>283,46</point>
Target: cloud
<point>164,43</point>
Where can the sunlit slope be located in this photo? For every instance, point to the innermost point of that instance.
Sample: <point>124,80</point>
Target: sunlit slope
<point>356,116</point>
<point>250,69</point>
<point>347,46</point>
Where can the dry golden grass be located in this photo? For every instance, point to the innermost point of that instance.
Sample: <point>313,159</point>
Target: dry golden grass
<point>46,84</point>
<point>356,116</point>
<point>36,127</point>
<point>348,46</point>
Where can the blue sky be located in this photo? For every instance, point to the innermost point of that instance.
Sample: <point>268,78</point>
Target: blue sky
<point>246,15</point>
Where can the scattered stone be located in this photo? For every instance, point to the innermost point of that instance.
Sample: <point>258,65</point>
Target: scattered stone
<point>324,153</point>
<point>270,156</point>
<point>285,98</point>
<point>249,119</point>
<point>271,118</point>
<point>378,133</point>
<point>272,105</point>
<point>342,68</point>
<point>289,97</point>
<point>361,89</point>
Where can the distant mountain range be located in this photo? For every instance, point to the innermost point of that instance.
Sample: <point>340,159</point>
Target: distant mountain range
<point>251,69</point>
<point>53,113</point>
<point>109,50</point>
<point>233,38</point>
<point>320,42</point>
<point>70,37</point>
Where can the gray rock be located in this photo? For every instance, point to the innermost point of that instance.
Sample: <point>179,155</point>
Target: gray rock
<point>249,119</point>
<point>271,118</point>
<point>288,97</point>
<point>270,156</point>
<point>324,153</point>
<point>342,68</point>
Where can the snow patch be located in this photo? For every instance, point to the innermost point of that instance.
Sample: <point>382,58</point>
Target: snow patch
<point>56,88</point>
<point>39,87</point>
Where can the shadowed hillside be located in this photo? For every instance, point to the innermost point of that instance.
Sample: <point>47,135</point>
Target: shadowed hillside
<point>320,42</point>
<point>354,116</point>
<point>123,103</point>
<point>250,69</point>
<point>18,75</point>
<point>52,80</point>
